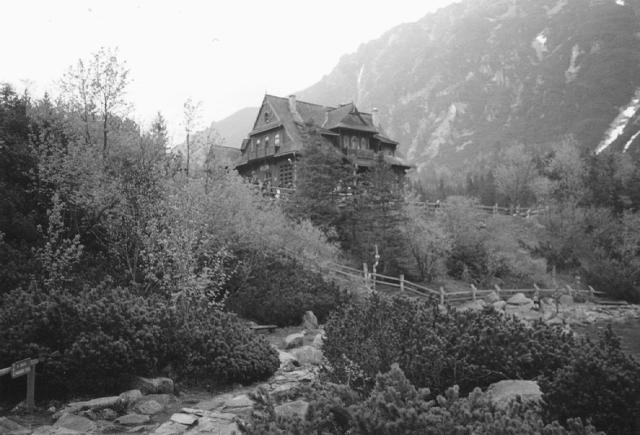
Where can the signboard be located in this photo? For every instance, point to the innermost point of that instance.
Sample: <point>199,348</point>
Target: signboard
<point>21,368</point>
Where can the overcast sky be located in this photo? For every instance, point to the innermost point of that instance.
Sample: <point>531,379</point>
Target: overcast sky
<point>224,53</point>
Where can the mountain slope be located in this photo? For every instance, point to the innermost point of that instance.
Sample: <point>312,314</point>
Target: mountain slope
<point>235,127</point>
<point>455,85</point>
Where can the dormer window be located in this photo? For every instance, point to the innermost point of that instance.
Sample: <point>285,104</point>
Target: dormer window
<point>266,117</point>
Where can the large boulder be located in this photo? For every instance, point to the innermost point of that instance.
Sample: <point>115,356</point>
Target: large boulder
<point>293,340</point>
<point>317,341</point>
<point>309,320</point>
<point>8,426</point>
<point>476,305</point>
<point>566,300</point>
<point>519,299</point>
<point>154,385</point>
<point>503,392</point>
<point>308,355</point>
<point>239,405</point>
<point>131,396</point>
<point>492,297</point>
<point>133,419</point>
<point>288,362</point>
<point>149,407</point>
<point>76,422</point>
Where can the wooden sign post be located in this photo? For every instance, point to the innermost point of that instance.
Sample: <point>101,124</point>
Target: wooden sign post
<point>21,368</point>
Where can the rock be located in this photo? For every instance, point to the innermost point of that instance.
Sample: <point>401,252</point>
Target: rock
<point>149,407</point>
<point>503,392</point>
<point>51,430</point>
<point>97,404</point>
<point>308,355</point>
<point>76,422</point>
<point>554,321</point>
<point>131,396</point>
<point>137,429</point>
<point>239,405</point>
<point>290,409</point>
<point>107,414</point>
<point>566,300</point>
<point>317,341</point>
<point>288,362</point>
<point>133,419</point>
<point>519,299</point>
<point>476,305</point>
<point>154,385</point>
<point>182,418</point>
<point>170,428</point>
<point>309,320</point>
<point>218,423</point>
<point>8,426</point>
<point>294,340</point>
<point>499,305</point>
<point>492,297</point>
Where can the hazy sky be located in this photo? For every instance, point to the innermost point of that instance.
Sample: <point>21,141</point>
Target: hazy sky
<point>224,53</point>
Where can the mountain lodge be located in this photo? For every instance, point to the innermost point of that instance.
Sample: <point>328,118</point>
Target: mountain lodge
<point>282,130</point>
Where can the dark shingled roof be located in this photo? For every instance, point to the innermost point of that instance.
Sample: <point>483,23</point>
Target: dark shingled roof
<point>313,123</point>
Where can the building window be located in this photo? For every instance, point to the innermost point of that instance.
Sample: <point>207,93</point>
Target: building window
<point>266,145</point>
<point>286,175</point>
<point>363,143</point>
<point>266,116</point>
<point>354,142</point>
<point>276,141</point>
<point>345,142</point>
<point>257,149</point>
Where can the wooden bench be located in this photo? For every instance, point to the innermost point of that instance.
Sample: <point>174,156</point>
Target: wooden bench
<point>261,328</point>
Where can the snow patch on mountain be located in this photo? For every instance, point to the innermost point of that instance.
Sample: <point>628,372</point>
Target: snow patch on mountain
<point>630,141</point>
<point>620,122</point>
<point>571,73</point>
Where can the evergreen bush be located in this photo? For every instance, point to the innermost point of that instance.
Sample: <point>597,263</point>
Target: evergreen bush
<point>95,341</point>
<point>279,292</point>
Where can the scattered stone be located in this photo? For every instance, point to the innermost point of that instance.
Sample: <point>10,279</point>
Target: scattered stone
<point>239,405</point>
<point>51,409</point>
<point>154,385</point>
<point>133,419</point>
<point>317,341</point>
<point>290,409</point>
<point>185,419</point>
<point>97,404</point>
<point>8,426</point>
<point>215,423</point>
<point>137,429</point>
<point>288,362</point>
<point>492,297</point>
<point>51,430</point>
<point>519,299</point>
<point>170,428</point>
<point>108,414</point>
<point>131,396</point>
<point>76,422</point>
<point>162,399</point>
<point>503,392</point>
<point>554,321</point>
<point>566,300</point>
<point>476,305</point>
<point>294,340</point>
<point>309,320</point>
<point>149,407</point>
<point>308,355</point>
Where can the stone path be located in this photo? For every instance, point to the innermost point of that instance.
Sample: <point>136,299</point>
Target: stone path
<point>153,409</point>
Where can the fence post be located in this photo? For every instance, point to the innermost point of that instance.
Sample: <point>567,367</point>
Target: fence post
<point>591,294</point>
<point>497,287</point>
<point>441,295</point>
<point>570,290</point>
<point>402,283</point>
<point>537,293</point>
<point>473,291</point>
<point>495,208</point>
<point>31,388</point>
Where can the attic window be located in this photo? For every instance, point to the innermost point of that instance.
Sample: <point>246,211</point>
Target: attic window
<point>266,116</point>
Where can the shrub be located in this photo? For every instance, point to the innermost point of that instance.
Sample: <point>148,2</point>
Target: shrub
<point>96,340</point>
<point>435,348</point>
<point>279,292</point>
<point>600,382</point>
<point>395,406</point>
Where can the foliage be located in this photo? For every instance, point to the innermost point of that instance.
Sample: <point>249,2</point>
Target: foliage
<point>395,406</point>
<point>599,382</point>
<point>429,243</point>
<point>95,340</point>
<point>280,292</point>
<point>437,348</point>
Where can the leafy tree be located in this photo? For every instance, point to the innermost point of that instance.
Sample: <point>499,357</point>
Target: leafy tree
<point>514,174</point>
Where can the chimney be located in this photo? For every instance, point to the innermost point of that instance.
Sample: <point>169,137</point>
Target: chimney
<point>293,109</point>
<point>375,119</point>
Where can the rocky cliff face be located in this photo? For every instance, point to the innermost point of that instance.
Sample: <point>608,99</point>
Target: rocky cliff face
<point>455,85</point>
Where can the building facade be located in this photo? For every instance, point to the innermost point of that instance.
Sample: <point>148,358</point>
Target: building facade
<point>284,126</point>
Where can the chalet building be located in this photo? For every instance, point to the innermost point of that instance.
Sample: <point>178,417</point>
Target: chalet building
<point>284,126</point>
